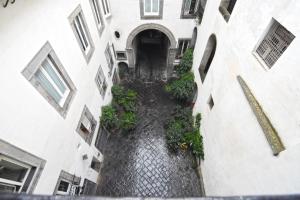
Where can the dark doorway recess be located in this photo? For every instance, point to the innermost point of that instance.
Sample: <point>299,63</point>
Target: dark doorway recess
<point>151,48</point>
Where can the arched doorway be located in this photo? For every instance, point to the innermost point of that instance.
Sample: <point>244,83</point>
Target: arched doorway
<point>208,56</point>
<point>123,70</point>
<point>150,32</point>
<point>194,38</point>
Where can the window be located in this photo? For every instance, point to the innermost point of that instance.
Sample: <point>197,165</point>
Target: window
<point>102,138</point>
<point>47,75</point>
<point>97,15</point>
<point>226,8</point>
<point>106,7</point>
<point>101,82</point>
<point>19,170</point>
<point>67,184</point>
<point>211,102</point>
<point>109,59</point>
<point>63,188</point>
<point>151,9</point>
<point>274,43</point>
<point>208,56</point>
<point>121,55</point>
<point>189,8</point>
<point>86,125</point>
<point>89,188</point>
<point>96,165</point>
<point>183,45</point>
<point>13,174</point>
<point>81,33</point>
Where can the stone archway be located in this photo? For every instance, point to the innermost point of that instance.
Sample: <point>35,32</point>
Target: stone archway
<point>171,51</point>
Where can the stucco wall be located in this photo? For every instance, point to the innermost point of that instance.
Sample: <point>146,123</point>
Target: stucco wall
<point>238,158</point>
<point>27,119</point>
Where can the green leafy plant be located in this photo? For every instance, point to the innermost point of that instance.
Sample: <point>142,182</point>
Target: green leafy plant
<point>125,99</point>
<point>180,123</point>
<point>186,62</point>
<point>182,133</point>
<point>128,121</point>
<point>109,118</point>
<point>183,87</point>
<point>198,121</point>
<point>194,139</point>
<point>174,135</point>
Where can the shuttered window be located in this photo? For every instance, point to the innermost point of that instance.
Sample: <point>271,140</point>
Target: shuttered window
<point>275,42</point>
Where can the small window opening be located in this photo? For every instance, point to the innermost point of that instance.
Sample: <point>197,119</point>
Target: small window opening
<point>211,102</point>
<point>117,34</point>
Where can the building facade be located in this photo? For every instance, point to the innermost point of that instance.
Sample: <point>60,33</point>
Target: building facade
<point>60,58</point>
<point>59,61</point>
<point>258,41</point>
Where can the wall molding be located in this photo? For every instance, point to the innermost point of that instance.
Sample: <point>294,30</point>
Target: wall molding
<point>265,123</point>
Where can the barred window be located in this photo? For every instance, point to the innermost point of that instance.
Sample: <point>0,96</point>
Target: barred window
<point>275,42</point>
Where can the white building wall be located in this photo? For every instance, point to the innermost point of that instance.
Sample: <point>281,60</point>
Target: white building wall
<point>238,158</point>
<point>126,17</point>
<point>28,121</point>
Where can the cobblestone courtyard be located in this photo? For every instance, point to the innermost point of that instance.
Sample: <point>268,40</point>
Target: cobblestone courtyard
<point>139,164</point>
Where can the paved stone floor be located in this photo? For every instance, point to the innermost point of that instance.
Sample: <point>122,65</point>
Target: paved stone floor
<point>139,164</point>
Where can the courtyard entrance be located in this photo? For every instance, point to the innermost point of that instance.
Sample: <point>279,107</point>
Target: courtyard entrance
<point>151,48</point>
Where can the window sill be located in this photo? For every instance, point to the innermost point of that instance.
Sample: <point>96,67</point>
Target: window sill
<point>151,17</point>
<point>108,16</point>
<point>260,61</point>
<point>188,16</point>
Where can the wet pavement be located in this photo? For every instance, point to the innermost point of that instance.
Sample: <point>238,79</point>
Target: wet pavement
<point>139,164</point>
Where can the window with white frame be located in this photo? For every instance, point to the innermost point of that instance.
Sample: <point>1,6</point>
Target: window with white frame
<point>13,174</point>
<point>274,43</point>
<point>49,77</point>
<point>86,125</point>
<point>106,7</point>
<point>151,7</point>
<point>189,8</point>
<point>101,82</point>
<point>109,59</point>
<point>67,184</point>
<point>63,187</point>
<point>183,45</point>
<point>81,32</point>
<point>51,80</point>
<point>97,15</point>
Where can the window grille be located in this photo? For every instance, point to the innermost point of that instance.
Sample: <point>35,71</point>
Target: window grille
<point>274,43</point>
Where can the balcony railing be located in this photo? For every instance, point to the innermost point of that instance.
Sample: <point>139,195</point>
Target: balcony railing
<point>41,197</point>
